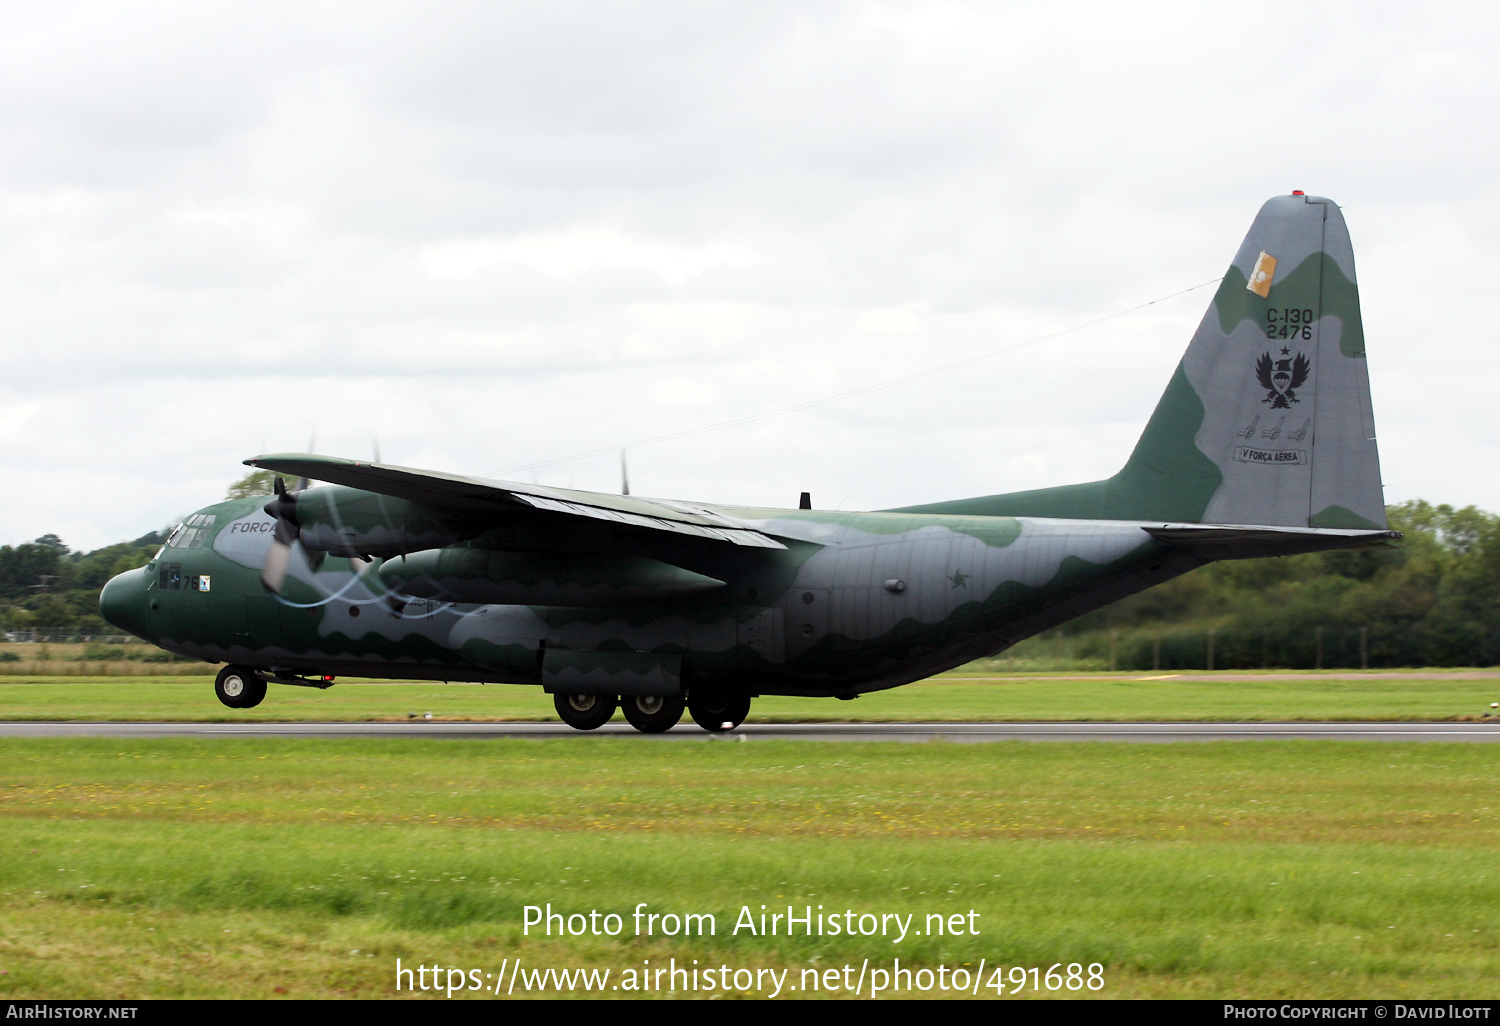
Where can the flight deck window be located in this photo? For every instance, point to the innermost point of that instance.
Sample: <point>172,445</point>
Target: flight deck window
<point>193,532</point>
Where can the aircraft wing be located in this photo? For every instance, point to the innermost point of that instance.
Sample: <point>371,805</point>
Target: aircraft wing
<point>472,495</point>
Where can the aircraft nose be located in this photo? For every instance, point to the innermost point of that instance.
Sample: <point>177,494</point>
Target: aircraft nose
<point>124,602</point>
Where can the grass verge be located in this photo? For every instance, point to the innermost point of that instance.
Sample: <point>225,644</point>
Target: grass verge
<point>255,868</point>
<point>951,699</point>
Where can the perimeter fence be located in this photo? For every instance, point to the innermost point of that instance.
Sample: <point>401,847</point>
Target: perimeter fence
<point>66,636</point>
<point>1368,647</point>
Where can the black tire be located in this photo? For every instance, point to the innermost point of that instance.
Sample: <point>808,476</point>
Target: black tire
<point>718,711</point>
<point>584,712</point>
<point>240,687</point>
<point>652,714</point>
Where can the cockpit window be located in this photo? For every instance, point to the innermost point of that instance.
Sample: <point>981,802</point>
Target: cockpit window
<point>193,532</point>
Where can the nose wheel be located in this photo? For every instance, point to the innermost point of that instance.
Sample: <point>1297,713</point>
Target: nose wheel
<point>651,714</point>
<point>240,687</point>
<point>584,712</point>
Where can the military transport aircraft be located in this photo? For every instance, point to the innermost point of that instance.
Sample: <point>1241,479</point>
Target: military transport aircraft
<point>1263,444</point>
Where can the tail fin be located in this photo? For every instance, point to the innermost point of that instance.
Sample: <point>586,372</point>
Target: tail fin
<point>1267,419</point>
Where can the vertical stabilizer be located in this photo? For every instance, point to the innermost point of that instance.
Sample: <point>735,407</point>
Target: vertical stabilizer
<point>1267,419</point>
<point>1279,366</point>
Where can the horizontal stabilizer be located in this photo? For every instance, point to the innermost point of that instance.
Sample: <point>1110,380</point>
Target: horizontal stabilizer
<point>1221,541</point>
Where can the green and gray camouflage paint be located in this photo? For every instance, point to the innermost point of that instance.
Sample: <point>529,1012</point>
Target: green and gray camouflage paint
<point>1262,444</point>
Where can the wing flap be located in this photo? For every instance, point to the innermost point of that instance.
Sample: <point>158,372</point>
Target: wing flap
<point>734,535</point>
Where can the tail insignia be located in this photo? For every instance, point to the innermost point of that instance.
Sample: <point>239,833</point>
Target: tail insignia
<point>1281,378</point>
<point>1260,277</point>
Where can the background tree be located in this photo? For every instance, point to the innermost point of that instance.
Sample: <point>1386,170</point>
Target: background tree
<point>255,483</point>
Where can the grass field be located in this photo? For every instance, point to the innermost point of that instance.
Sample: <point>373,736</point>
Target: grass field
<point>77,659</point>
<point>1095,697</point>
<point>257,868</point>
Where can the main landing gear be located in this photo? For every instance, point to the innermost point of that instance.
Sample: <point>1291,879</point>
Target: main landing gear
<point>714,711</point>
<point>719,711</point>
<point>240,687</point>
<point>584,712</point>
<point>651,714</point>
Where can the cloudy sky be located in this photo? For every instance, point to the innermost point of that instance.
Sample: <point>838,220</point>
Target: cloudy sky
<point>496,235</point>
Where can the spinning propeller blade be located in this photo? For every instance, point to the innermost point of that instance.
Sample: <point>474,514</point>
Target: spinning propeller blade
<point>283,509</point>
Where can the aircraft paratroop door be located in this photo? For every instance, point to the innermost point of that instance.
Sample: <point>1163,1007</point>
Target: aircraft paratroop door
<point>806,611</point>
<point>760,631</point>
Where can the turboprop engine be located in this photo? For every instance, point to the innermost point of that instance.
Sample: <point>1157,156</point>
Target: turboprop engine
<point>467,574</point>
<point>339,521</point>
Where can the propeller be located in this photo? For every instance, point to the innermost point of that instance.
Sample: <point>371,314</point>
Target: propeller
<point>288,532</point>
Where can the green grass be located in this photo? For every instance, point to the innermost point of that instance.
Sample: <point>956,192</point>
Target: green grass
<point>232,868</point>
<point>1097,697</point>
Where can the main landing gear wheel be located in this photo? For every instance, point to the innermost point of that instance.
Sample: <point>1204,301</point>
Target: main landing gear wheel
<point>718,711</point>
<point>584,712</point>
<point>651,714</point>
<point>240,687</point>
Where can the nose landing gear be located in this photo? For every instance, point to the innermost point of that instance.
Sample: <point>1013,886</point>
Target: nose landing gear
<point>240,687</point>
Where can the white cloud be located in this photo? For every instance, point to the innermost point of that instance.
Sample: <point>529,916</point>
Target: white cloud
<point>493,235</point>
<point>568,252</point>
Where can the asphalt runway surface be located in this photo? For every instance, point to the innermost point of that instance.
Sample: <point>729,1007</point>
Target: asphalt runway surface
<point>1479,732</point>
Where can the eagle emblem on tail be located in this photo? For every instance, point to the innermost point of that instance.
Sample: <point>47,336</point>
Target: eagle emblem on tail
<point>1282,377</point>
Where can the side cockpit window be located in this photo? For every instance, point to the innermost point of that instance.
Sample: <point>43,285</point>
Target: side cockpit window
<point>192,533</point>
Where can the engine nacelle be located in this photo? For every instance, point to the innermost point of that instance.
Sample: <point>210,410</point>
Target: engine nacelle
<point>350,522</point>
<point>499,577</point>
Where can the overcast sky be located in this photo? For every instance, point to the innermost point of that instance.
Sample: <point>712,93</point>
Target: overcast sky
<point>492,235</point>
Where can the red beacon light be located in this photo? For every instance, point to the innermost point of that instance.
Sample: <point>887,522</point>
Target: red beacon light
<point>1298,192</point>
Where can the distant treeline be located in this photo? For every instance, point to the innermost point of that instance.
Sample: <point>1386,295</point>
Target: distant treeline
<point>1432,600</point>
<point>44,585</point>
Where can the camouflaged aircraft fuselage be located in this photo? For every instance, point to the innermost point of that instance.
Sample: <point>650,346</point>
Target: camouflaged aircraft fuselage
<point>1263,444</point>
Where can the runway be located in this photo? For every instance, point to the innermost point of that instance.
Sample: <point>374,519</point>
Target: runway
<point>1151,733</point>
